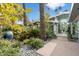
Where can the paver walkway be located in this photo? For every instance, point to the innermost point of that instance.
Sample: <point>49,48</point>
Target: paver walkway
<point>60,47</point>
<point>65,47</point>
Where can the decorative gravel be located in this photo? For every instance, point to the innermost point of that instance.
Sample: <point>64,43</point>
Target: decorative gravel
<point>27,51</point>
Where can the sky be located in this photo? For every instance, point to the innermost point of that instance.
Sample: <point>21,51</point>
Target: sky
<point>50,8</point>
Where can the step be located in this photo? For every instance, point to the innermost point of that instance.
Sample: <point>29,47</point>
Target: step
<point>47,49</point>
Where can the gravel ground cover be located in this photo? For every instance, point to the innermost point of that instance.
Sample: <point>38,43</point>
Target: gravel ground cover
<point>27,51</point>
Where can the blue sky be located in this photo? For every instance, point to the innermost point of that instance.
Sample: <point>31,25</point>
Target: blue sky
<point>35,15</point>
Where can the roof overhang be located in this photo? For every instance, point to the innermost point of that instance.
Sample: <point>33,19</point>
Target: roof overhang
<point>60,15</point>
<point>74,12</point>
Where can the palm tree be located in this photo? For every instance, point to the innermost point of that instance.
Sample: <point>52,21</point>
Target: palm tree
<point>42,22</point>
<point>24,15</point>
<point>57,10</point>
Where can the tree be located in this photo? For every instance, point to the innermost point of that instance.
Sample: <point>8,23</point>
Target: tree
<point>24,15</point>
<point>10,13</point>
<point>42,22</point>
<point>57,10</point>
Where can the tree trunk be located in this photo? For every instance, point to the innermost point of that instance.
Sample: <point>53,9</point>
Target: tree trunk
<point>42,22</point>
<point>24,15</point>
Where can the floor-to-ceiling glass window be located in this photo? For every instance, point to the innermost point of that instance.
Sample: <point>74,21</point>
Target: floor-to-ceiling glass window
<point>77,29</point>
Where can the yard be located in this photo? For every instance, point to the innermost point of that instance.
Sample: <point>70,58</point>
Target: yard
<point>22,37</point>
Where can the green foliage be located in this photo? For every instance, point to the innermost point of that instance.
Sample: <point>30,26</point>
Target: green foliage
<point>35,42</point>
<point>49,29</point>
<point>26,41</point>
<point>8,48</point>
<point>9,51</point>
<point>51,35</point>
<point>6,28</point>
<point>20,32</point>
<point>34,33</point>
<point>15,43</point>
<point>49,32</point>
<point>4,43</point>
<point>72,36</point>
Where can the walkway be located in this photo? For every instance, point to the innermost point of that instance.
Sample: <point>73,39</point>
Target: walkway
<point>65,47</point>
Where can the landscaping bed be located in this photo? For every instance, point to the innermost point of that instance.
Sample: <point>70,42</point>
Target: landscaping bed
<point>27,41</point>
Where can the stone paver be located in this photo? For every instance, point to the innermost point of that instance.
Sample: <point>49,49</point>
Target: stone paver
<point>57,47</point>
<point>47,49</point>
<point>65,47</point>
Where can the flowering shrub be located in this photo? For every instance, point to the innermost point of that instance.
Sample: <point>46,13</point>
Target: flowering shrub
<point>20,32</point>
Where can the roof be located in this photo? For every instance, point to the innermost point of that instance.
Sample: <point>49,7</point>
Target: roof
<point>60,14</point>
<point>74,12</point>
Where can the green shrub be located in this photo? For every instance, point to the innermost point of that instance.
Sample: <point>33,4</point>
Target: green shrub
<point>6,28</point>
<point>8,48</point>
<point>50,32</point>
<point>15,43</point>
<point>35,42</point>
<point>4,42</point>
<point>9,51</point>
<point>26,41</point>
<point>51,35</point>
<point>20,35</point>
<point>34,33</point>
<point>19,31</point>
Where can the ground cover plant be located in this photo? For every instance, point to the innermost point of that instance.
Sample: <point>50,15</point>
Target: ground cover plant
<point>34,42</point>
<point>8,48</point>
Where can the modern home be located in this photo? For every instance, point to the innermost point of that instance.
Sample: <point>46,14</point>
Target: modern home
<point>72,21</point>
<point>60,22</point>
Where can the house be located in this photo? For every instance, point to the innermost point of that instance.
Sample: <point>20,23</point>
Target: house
<point>59,22</point>
<point>74,21</point>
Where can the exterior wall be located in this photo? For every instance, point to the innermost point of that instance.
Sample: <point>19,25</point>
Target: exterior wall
<point>75,30</point>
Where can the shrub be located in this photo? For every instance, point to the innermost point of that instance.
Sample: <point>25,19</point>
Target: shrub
<point>4,42</point>
<point>6,28</point>
<point>8,48</point>
<point>50,32</point>
<point>9,51</point>
<point>51,35</point>
<point>15,43</point>
<point>34,33</point>
<point>26,41</point>
<point>35,42</point>
<point>20,35</point>
<point>21,32</point>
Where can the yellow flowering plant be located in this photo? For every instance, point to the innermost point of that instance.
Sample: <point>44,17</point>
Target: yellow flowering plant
<point>11,12</point>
